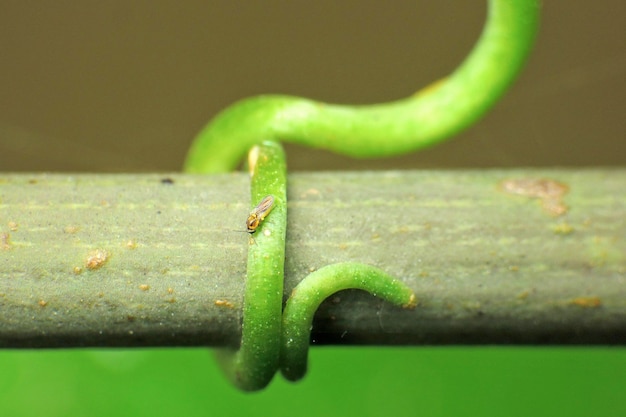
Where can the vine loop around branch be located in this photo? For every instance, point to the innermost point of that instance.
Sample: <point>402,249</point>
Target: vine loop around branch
<point>272,338</point>
<point>267,341</point>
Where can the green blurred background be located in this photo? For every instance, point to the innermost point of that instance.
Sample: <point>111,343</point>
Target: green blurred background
<point>123,86</point>
<point>341,382</point>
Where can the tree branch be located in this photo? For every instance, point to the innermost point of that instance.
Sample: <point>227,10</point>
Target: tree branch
<point>495,256</point>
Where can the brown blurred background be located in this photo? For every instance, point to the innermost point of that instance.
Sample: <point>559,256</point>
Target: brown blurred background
<point>124,86</point>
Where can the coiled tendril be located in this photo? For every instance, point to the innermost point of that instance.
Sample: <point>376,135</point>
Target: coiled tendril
<point>273,338</point>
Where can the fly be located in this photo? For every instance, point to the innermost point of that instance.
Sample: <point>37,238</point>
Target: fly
<point>259,213</point>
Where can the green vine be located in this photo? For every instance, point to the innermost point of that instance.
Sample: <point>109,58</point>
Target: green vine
<point>315,288</point>
<point>258,124</point>
<point>256,362</point>
<point>431,116</point>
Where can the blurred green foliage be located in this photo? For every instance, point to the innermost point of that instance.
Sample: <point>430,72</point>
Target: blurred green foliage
<point>485,381</point>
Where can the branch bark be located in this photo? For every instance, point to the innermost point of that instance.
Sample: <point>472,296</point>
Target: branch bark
<point>494,256</point>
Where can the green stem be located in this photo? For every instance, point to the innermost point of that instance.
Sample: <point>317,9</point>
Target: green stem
<point>315,288</point>
<point>422,120</point>
<point>360,131</point>
<point>255,363</point>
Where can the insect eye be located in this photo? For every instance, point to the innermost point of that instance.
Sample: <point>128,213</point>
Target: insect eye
<point>253,222</point>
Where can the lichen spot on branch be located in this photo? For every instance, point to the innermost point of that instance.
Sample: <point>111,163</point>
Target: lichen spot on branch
<point>96,259</point>
<point>548,191</point>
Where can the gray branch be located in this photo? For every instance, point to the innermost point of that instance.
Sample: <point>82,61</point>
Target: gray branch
<point>157,260</point>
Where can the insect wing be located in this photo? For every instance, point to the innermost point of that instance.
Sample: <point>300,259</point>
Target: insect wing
<point>259,213</point>
<point>264,207</point>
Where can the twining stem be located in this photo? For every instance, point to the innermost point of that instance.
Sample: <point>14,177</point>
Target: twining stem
<point>255,363</point>
<point>424,119</point>
<point>315,288</point>
<point>431,116</point>
<point>266,343</point>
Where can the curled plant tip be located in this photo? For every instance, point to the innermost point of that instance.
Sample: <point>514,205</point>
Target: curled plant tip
<point>315,288</point>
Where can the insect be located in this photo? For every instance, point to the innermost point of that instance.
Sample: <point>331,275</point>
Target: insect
<point>259,213</point>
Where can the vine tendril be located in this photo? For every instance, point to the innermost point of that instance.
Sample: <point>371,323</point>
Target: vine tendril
<point>424,119</point>
<point>315,288</point>
<point>255,363</point>
<point>273,339</point>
